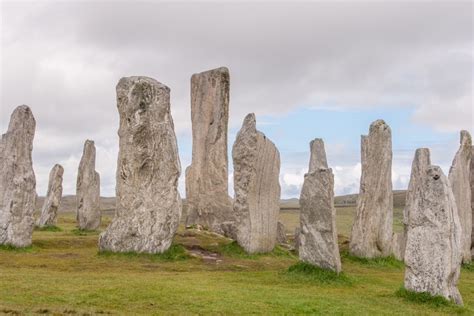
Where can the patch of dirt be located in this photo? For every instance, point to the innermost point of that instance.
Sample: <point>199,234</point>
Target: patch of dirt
<point>205,255</point>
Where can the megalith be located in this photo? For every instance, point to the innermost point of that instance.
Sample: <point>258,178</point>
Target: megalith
<point>207,197</point>
<point>459,179</point>
<point>372,228</point>
<point>281,233</point>
<point>433,247</point>
<point>88,190</point>
<point>318,238</point>
<point>256,187</point>
<point>17,180</point>
<point>148,207</point>
<point>50,208</point>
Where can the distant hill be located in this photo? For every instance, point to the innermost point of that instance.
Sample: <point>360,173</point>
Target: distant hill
<point>107,204</point>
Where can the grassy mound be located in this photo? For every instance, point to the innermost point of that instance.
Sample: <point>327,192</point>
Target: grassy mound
<point>174,253</point>
<point>423,298</point>
<point>383,262</point>
<point>303,271</point>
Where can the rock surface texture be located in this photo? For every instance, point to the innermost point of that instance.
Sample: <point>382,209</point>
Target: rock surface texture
<point>318,238</point>
<point>148,203</point>
<point>17,180</point>
<point>433,248</point>
<point>281,233</point>
<point>472,201</point>
<point>372,229</point>
<point>420,164</point>
<point>256,187</point>
<point>88,190</point>
<point>52,200</point>
<point>459,178</point>
<point>208,201</point>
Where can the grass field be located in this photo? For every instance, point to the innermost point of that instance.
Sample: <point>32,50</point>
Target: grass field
<point>63,273</point>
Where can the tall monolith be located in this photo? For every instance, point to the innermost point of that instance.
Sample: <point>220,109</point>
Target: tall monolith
<point>372,229</point>
<point>207,198</point>
<point>459,178</point>
<point>433,247</point>
<point>52,201</point>
<point>88,190</point>
<point>148,207</point>
<point>318,238</point>
<point>256,187</point>
<point>17,180</point>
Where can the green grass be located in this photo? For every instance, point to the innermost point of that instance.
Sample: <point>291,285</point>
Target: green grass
<point>174,253</point>
<point>62,273</point>
<point>12,248</point>
<point>468,267</point>
<point>305,272</point>
<point>48,228</point>
<point>385,262</point>
<point>423,298</point>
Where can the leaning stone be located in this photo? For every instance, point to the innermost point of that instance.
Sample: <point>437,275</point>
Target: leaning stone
<point>88,190</point>
<point>256,187</point>
<point>433,250</point>
<point>207,197</point>
<point>318,238</point>
<point>148,206</point>
<point>281,233</point>
<point>460,183</point>
<point>53,197</point>
<point>372,229</point>
<point>17,180</point>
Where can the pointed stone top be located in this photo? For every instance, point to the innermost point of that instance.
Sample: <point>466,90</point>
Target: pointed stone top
<point>466,139</point>
<point>126,81</point>
<point>250,121</point>
<point>89,142</point>
<point>59,168</point>
<point>21,115</point>
<point>318,155</point>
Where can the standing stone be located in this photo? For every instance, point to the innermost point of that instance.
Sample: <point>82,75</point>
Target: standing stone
<point>17,180</point>
<point>256,187</point>
<point>208,201</point>
<point>53,197</point>
<point>88,190</point>
<point>148,203</point>
<point>281,233</point>
<point>297,238</point>
<point>459,175</point>
<point>472,201</point>
<point>318,238</point>
<point>433,249</point>
<point>420,164</point>
<point>372,229</point>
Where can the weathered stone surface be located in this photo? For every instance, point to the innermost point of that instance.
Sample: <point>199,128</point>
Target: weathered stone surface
<point>372,229</point>
<point>17,179</point>
<point>207,197</point>
<point>433,249</point>
<point>281,233</point>
<point>420,163</point>
<point>256,187</point>
<point>53,197</point>
<point>472,201</point>
<point>297,238</point>
<point>459,178</point>
<point>318,237</point>
<point>88,190</point>
<point>148,203</point>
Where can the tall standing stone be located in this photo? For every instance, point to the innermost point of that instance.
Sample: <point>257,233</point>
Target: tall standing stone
<point>420,164</point>
<point>207,198</point>
<point>433,249</point>
<point>318,238</point>
<point>372,229</point>
<point>256,187</point>
<point>53,197</point>
<point>459,174</point>
<point>17,179</point>
<point>88,190</point>
<point>148,203</point>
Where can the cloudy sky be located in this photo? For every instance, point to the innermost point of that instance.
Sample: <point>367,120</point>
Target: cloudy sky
<point>307,70</point>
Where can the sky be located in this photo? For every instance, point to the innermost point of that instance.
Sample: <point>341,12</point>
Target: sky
<point>306,69</point>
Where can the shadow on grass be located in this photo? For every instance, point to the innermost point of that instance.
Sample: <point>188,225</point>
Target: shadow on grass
<point>426,298</point>
<point>383,262</point>
<point>305,272</point>
<point>84,232</point>
<point>174,253</point>
<point>17,249</point>
<point>234,250</point>
<point>48,228</point>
